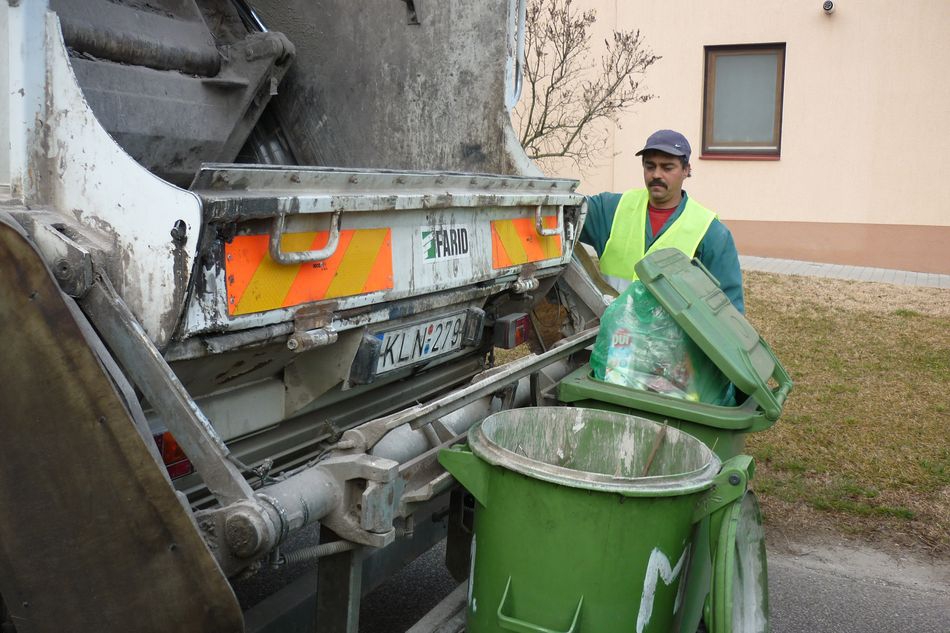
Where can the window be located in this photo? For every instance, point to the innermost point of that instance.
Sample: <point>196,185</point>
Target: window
<point>742,106</point>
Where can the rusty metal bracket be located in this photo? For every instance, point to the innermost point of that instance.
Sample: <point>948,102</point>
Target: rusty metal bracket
<point>66,250</point>
<point>527,280</point>
<point>313,327</point>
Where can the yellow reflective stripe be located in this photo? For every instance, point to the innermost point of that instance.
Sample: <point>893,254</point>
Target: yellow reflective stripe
<point>510,241</point>
<point>272,281</point>
<point>357,263</point>
<point>550,245</point>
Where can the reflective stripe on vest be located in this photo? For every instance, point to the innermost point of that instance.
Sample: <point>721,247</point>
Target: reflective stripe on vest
<point>626,244</point>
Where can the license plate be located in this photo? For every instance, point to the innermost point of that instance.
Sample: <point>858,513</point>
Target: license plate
<point>422,341</point>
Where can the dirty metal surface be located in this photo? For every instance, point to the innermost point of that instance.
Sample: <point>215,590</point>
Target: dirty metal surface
<point>152,225</point>
<point>172,90</point>
<point>429,93</point>
<point>235,192</point>
<point>93,534</point>
<point>170,38</point>
<point>391,236</point>
<point>165,392</point>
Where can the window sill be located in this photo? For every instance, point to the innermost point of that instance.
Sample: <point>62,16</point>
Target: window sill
<point>739,157</point>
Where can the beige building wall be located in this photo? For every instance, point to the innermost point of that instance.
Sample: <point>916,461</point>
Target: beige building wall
<point>865,129</point>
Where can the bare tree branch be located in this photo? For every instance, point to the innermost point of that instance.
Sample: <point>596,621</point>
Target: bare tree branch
<point>567,95</point>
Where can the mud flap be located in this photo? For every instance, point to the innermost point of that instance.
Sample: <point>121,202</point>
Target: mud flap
<point>92,535</point>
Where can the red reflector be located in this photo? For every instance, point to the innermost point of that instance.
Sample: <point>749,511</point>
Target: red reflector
<point>180,469</point>
<point>175,460</point>
<point>512,330</point>
<point>171,451</point>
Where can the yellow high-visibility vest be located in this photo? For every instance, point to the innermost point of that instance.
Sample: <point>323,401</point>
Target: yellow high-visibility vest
<point>627,242</point>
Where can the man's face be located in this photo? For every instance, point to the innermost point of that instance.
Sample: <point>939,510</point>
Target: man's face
<point>663,176</point>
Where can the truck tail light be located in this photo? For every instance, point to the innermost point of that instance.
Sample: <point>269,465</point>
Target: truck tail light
<point>176,462</point>
<point>512,330</point>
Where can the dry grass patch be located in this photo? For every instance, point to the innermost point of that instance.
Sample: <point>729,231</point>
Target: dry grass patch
<point>864,442</point>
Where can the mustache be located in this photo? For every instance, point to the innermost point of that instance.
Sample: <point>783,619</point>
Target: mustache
<point>657,182</point>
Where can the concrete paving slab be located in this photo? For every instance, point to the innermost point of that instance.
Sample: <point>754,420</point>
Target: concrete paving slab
<point>842,271</point>
<point>851,272</point>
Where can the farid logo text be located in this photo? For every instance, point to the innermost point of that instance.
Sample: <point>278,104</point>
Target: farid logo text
<point>444,243</point>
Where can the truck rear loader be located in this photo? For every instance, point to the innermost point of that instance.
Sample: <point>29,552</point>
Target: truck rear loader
<point>254,261</point>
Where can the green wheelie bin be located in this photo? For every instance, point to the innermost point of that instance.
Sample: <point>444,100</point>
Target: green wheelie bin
<point>585,522</point>
<point>694,300</point>
<point>696,303</point>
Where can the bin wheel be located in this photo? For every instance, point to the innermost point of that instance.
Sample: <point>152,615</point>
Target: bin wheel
<point>739,596</point>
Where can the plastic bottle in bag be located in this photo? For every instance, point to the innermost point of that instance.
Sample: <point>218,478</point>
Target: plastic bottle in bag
<point>641,346</point>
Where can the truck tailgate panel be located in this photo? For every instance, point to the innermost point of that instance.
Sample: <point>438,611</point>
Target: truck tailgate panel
<point>276,238</point>
<point>93,536</point>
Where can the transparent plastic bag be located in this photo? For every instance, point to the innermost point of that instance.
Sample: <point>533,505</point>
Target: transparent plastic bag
<point>640,346</point>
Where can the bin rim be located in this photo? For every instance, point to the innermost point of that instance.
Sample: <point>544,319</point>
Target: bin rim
<point>581,385</point>
<point>684,483</point>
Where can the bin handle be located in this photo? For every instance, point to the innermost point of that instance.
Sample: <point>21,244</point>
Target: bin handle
<point>773,398</point>
<point>510,623</point>
<point>539,224</point>
<point>302,257</point>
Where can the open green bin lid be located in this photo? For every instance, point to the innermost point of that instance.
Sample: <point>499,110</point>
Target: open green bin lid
<point>693,298</point>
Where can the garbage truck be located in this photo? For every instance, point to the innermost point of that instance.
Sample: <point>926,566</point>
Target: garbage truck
<point>255,259</point>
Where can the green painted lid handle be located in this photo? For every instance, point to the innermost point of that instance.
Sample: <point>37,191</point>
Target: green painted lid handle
<point>468,470</point>
<point>510,623</point>
<point>771,400</point>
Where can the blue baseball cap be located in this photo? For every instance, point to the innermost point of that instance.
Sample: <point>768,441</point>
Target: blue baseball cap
<point>668,142</point>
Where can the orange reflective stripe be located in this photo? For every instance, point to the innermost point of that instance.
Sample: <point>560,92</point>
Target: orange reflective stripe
<point>510,241</point>
<point>361,263</point>
<point>272,281</point>
<point>240,264</point>
<point>314,278</point>
<point>551,245</point>
<point>529,238</point>
<point>499,256</point>
<point>357,263</point>
<point>517,241</point>
<point>381,274</point>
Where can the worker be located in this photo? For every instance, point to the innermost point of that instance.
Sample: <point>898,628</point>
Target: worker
<point>622,228</point>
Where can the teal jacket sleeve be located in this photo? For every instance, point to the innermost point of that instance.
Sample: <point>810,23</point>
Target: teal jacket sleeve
<point>600,218</point>
<point>718,254</point>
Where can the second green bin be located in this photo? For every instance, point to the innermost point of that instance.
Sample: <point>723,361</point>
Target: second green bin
<point>696,303</point>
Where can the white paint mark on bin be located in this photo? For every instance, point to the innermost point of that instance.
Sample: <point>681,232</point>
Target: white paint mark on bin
<point>657,568</point>
<point>471,576</point>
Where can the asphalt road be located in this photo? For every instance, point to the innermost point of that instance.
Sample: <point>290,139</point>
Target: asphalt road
<point>830,588</point>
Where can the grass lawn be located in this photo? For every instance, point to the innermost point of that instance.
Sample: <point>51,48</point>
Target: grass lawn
<point>863,446</point>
